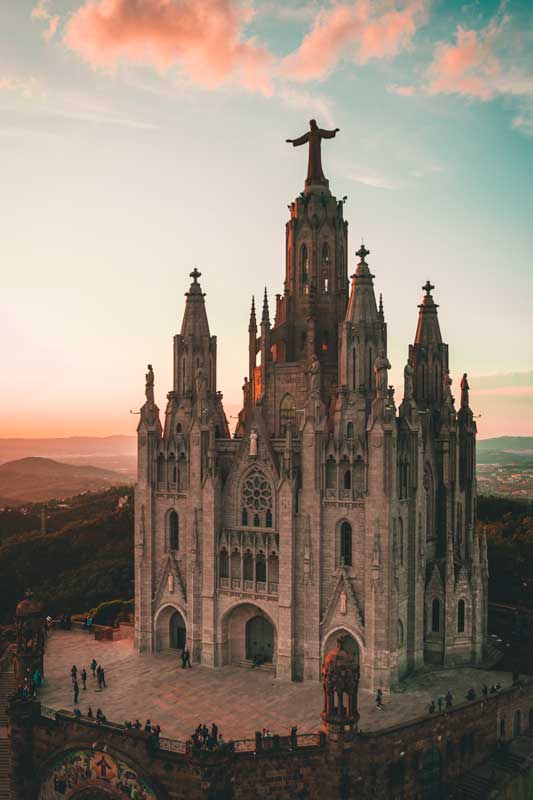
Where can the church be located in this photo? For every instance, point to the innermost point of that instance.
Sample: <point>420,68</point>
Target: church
<point>336,507</point>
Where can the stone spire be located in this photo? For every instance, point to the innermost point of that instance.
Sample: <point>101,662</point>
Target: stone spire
<point>265,318</point>
<point>428,330</point>
<point>195,317</point>
<point>381,313</point>
<point>362,303</point>
<point>253,322</point>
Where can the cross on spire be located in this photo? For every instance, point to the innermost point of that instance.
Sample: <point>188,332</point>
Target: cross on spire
<point>362,253</point>
<point>195,275</point>
<point>427,287</point>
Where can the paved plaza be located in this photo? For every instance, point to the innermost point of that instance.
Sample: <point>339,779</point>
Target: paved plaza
<point>239,700</point>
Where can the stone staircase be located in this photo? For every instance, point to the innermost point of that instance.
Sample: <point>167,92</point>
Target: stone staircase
<point>472,787</point>
<point>7,687</point>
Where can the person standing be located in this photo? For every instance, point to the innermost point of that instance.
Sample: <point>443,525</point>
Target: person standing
<point>183,664</point>
<point>99,676</point>
<point>84,678</point>
<point>93,667</point>
<point>74,672</point>
<point>102,676</point>
<point>214,732</point>
<point>439,702</point>
<point>379,700</point>
<point>187,658</point>
<point>76,688</point>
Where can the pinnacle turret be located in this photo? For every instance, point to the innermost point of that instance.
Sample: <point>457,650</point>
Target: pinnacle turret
<point>195,317</point>
<point>253,322</point>
<point>265,318</point>
<point>428,330</point>
<point>362,303</point>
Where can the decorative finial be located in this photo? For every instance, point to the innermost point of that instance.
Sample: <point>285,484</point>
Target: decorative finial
<point>362,253</point>
<point>428,287</point>
<point>381,314</point>
<point>195,275</point>
<point>265,316</point>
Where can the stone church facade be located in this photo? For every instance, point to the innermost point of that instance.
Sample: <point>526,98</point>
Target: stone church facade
<point>333,508</point>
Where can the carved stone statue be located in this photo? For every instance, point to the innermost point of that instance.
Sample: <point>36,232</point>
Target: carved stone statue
<point>200,381</point>
<point>343,606</point>
<point>253,442</point>
<point>447,386</point>
<point>340,681</point>
<point>314,377</point>
<point>465,401</point>
<point>314,136</point>
<point>150,384</point>
<point>170,583</point>
<point>408,373</point>
<point>381,367</point>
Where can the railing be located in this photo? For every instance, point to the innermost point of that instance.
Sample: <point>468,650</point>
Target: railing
<point>49,713</point>
<point>172,745</point>
<point>259,587</point>
<point>276,742</point>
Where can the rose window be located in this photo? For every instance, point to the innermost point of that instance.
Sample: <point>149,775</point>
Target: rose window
<point>257,501</point>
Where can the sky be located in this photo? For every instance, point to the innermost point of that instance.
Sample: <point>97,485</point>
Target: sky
<point>142,138</point>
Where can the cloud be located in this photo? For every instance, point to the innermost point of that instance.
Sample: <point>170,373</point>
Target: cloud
<point>403,91</point>
<point>41,13</point>
<point>26,86</point>
<point>357,31</point>
<point>484,64</point>
<point>203,37</point>
<point>315,105</point>
<point>375,181</point>
<point>507,380</point>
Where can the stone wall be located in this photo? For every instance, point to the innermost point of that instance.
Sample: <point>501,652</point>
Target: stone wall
<point>406,761</point>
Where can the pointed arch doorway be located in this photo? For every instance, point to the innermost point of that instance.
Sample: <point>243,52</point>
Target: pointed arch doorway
<point>259,640</point>
<point>177,632</point>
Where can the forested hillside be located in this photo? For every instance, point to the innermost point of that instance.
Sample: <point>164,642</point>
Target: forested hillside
<point>84,557</point>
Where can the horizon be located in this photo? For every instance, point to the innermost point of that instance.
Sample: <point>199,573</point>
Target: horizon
<point>116,187</point>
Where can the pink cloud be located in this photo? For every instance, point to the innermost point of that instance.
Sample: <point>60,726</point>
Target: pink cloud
<point>41,11</point>
<point>204,37</point>
<point>467,67</point>
<point>403,91</point>
<point>357,31</point>
<point>52,28</point>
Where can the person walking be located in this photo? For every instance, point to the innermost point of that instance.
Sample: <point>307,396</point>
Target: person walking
<point>99,677</point>
<point>74,672</point>
<point>214,732</point>
<point>183,664</point>
<point>84,678</point>
<point>431,707</point>
<point>93,667</point>
<point>76,688</point>
<point>187,658</point>
<point>379,700</point>
<point>102,676</point>
<point>440,702</point>
<point>449,698</point>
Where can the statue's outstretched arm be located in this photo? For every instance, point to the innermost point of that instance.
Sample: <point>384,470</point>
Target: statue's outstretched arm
<point>301,140</point>
<point>328,134</point>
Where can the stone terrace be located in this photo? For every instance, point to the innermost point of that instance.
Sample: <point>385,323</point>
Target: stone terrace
<point>239,700</point>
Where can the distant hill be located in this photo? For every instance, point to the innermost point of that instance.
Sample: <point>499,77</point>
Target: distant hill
<point>118,453</point>
<point>34,479</point>
<point>506,450</point>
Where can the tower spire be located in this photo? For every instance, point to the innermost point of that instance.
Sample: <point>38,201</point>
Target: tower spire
<point>253,322</point>
<point>381,314</point>
<point>428,329</point>
<point>265,318</point>
<point>362,303</point>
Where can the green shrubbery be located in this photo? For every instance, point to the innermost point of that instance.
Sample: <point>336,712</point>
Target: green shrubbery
<point>111,611</point>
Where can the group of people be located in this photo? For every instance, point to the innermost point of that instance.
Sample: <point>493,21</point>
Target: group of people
<point>98,673</point>
<point>441,701</point>
<point>27,690</point>
<point>99,717</point>
<point>205,739</point>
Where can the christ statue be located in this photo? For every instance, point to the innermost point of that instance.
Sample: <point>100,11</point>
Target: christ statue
<point>314,136</point>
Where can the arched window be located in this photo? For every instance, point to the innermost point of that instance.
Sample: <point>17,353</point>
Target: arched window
<point>244,517</point>
<point>435,616</point>
<point>461,616</point>
<point>502,728</point>
<point>173,531</point>
<point>400,633</point>
<point>354,370</point>
<point>349,430</point>
<point>331,473</point>
<point>248,566</point>
<point>400,541</point>
<point>160,468</point>
<point>517,723</point>
<point>268,518</point>
<point>223,564</point>
<point>430,503</point>
<point>256,498</point>
<point>304,265</point>
<point>346,544</point>
<point>179,428</point>
<point>287,413</point>
<point>171,468</point>
<point>348,479</point>
<point>260,568</point>
<point>325,253</point>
